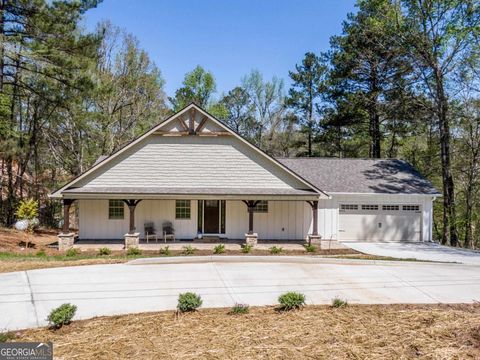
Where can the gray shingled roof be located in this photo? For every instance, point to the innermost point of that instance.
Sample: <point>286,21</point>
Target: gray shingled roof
<point>383,176</point>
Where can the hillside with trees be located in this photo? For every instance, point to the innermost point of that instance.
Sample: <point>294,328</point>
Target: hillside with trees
<point>400,81</point>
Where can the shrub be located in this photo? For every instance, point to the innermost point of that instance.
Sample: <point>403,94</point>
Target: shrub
<point>339,303</point>
<point>240,309</point>
<point>309,248</point>
<point>134,251</point>
<point>27,210</point>
<point>291,300</point>
<point>219,249</point>
<point>71,252</point>
<point>6,336</point>
<point>165,251</point>
<point>104,251</point>
<point>275,250</point>
<point>41,253</point>
<point>246,248</point>
<point>189,250</point>
<point>189,301</point>
<point>62,315</point>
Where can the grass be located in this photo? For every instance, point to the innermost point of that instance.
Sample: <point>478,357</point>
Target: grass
<point>316,332</point>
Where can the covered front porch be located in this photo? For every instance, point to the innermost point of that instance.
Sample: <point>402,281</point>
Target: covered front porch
<point>201,218</point>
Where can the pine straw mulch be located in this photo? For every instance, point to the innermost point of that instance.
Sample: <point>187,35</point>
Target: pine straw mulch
<point>315,332</point>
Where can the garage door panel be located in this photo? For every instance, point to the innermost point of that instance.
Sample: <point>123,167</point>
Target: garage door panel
<point>380,227</point>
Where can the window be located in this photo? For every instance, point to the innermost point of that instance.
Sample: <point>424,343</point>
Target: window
<point>411,207</point>
<point>391,207</point>
<point>369,207</point>
<point>348,207</point>
<point>261,207</point>
<point>115,209</point>
<point>182,209</point>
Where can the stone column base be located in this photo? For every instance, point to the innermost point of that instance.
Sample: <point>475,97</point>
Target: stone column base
<point>65,241</point>
<point>314,239</point>
<point>132,240</point>
<point>251,239</point>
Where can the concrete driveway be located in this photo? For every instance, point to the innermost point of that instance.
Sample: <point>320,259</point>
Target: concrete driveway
<point>419,251</point>
<point>27,297</point>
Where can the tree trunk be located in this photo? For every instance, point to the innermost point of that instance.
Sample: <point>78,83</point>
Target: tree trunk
<point>449,211</point>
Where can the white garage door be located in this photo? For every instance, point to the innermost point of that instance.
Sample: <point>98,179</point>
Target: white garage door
<point>380,222</point>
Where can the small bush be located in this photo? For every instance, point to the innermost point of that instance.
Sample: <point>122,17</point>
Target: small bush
<point>339,303</point>
<point>246,248</point>
<point>188,250</point>
<point>62,315</point>
<point>71,252</point>
<point>6,336</point>
<point>310,248</point>
<point>134,251</point>
<point>219,249</point>
<point>104,251</point>
<point>291,300</point>
<point>240,309</point>
<point>189,301</point>
<point>41,253</point>
<point>165,251</point>
<point>275,250</point>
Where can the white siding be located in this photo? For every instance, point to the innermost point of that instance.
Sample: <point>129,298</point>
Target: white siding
<point>191,162</point>
<point>285,220</point>
<point>329,210</point>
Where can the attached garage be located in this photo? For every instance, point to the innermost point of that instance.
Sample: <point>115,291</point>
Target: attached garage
<point>380,222</point>
<point>370,199</point>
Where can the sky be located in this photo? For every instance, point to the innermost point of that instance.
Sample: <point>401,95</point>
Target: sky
<point>227,37</point>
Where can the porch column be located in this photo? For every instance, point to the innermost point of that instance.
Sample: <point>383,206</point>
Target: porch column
<point>66,239</point>
<point>250,237</point>
<point>314,235</point>
<point>132,238</point>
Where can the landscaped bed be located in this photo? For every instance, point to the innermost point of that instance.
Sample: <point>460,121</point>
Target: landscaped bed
<point>315,332</point>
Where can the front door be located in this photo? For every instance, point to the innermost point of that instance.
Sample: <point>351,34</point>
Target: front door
<point>211,216</point>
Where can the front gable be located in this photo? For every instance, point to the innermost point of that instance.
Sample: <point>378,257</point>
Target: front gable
<point>190,151</point>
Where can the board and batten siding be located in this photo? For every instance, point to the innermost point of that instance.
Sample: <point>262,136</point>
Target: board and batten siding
<point>285,220</point>
<point>191,162</point>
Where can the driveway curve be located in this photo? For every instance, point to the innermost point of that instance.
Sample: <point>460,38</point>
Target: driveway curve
<point>27,297</point>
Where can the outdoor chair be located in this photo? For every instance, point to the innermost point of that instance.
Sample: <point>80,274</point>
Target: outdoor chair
<point>168,231</point>
<point>150,232</point>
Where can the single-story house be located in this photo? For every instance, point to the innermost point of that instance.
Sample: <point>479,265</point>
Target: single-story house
<point>206,180</point>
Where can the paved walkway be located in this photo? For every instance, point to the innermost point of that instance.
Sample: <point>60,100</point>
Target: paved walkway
<point>419,251</point>
<point>27,297</point>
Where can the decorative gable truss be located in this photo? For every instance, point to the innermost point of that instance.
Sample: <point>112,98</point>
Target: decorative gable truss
<point>191,122</point>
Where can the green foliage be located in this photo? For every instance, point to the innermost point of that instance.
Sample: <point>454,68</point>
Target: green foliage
<point>72,252</point>
<point>276,250</point>
<point>339,303</point>
<point>310,248</point>
<point>291,300</point>
<point>7,336</point>
<point>165,251</point>
<point>198,87</point>
<point>62,315</point>
<point>41,253</point>
<point>104,251</point>
<point>246,248</point>
<point>189,301</point>
<point>134,251</point>
<point>188,250</point>
<point>27,210</point>
<point>240,309</point>
<point>219,249</point>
